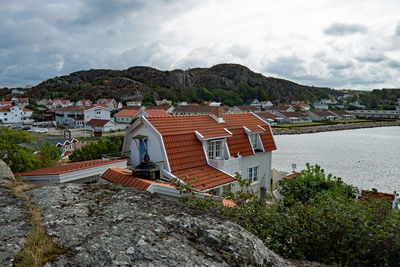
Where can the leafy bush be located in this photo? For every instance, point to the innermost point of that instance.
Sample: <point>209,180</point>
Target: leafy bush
<point>107,145</point>
<point>319,219</point>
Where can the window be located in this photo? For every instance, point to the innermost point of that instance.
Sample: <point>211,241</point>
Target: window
<point>253,174</point>
<point>215,149</point>
<point>254,140</point>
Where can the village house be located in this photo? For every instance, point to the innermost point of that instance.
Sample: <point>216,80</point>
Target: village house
<point>238,109</point>
<point>163,102</point>
<point>15,114</point>
<point>127,115</point>
<point>303,105</point>
<point>99,125</point>
<point>134,103</point>
<point>67,145</point>
<point>78,116</point>
<point>84,103</point>
<point>20,101</point>
<point>166,108</point>
<point>111,103</point>
<point>280,108</point>
<point>319,115</point>
<point>343,115</point>
<point>271,118</point>
<point>204,151</point>
<point>294,117</point>
<point>321,106</point>
<point>266,104</point>
<point>5,104</point>
<point>253,102</point>
<point>77,172</point>
<point>376,114</point>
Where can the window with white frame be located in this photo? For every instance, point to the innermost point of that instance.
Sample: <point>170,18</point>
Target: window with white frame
<point>215,149</point>
<point>253,174</point>
<point>254,140</point>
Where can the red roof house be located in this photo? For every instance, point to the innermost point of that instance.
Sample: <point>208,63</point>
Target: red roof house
<point>205,151</point>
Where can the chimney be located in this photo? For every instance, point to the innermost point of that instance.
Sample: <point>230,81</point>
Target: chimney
<point>217,112</point>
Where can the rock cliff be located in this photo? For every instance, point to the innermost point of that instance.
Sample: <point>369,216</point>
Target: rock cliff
<point>113,225</point>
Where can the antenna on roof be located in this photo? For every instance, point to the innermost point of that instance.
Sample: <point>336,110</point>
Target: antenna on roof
<point>294,167</point>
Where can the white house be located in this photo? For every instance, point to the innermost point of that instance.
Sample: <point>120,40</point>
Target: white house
<point>15,114</point>
<point>5,104</point>
<point>77,116</point>
<point>253,102</point>
<point>163,102</point>
<point>134,103</point>
<point>266,104</point>
<point>126,115</point>
<point>84,102</point>
<point>205,151</point>
<point>111,103</point>
<point>321,106</point>
<point>319,115</point>
<point>99,125</point>
<point>294,117</point>
<point>20,101</point>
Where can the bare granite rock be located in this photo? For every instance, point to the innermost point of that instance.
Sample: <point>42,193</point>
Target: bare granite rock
<point>112,225</point>
<point>14,226</point>
<point>6,175</point>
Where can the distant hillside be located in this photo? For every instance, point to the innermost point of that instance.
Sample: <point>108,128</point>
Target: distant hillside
<point>230,83</point>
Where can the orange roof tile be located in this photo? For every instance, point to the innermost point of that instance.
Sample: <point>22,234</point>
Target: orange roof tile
<point>127,113</point>
<point>124,176</point>
<point>69,167</point>
<point>239,143</point>
<point>156,112</point>
<point>204,177</point>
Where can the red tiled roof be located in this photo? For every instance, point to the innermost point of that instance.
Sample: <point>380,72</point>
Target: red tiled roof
<point>239,143</point>
<point>127,113</point>
<point>322,113</point>
<point>267,115</point>
<point>26,109</point>
<point>278,108</point>
<point>293,175</point>
<point>5,103</point>
<point>101,105</point>
<point>164,107</point>
<point>97,122</point>
<point>69,167</point>
<point>204,177</point>
<point>293,114</point>
<point>72,109</point>
<point>156,112</point>
<point>124,176</point>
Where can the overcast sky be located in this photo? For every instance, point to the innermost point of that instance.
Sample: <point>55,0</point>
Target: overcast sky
<point>333,43</point>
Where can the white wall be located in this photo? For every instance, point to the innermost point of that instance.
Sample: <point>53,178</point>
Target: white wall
<point>263,161</point>
<point>104,114</point>
<point>154,145</point>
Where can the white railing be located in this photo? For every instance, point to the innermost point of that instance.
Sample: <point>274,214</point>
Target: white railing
<point>230,166</point>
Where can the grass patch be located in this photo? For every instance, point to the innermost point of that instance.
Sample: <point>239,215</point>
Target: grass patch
<point>296,125</point>
<point>39,247</point>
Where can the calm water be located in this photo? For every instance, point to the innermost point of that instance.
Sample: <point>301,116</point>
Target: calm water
<point>365,158</point>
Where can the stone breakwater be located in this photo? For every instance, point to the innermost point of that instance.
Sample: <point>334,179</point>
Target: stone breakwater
<point>335,127</point>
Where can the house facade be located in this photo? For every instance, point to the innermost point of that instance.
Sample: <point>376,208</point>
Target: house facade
<point>15,114</point>
<point>319,115</point>
<point>84,103</point>
<point>111,103</point>
<point>205,151</point>
<point>77,116</point>
<point>294,117</point>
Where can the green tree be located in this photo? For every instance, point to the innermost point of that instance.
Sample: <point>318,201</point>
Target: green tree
<point>18,157</point>
<point>148,100</point>
<point>95,150</point>
<point>49,155</point>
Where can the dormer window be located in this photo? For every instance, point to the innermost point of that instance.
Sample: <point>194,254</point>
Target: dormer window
<point>254,140</point>
<point>215,149</point>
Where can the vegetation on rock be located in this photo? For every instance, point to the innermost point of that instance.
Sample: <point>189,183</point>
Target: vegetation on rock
<point>318,219</point>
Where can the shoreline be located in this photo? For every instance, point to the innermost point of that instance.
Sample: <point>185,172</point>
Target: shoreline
<point>331,128</point>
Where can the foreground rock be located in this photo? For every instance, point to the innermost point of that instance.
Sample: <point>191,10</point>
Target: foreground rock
<point>14,226</point>
<point>6,175</point>
<point>109,225</point>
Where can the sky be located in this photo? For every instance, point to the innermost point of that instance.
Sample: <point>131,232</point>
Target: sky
<point>330,43</point>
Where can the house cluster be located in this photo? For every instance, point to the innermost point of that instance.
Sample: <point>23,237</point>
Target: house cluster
<point>204,151</point>
<point>14,111</point>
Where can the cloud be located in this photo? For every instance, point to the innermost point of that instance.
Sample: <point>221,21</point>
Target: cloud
<point>342,29</point>
<point>397,32</point>
<point>394,64</point>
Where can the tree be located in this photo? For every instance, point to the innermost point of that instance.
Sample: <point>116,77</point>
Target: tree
<point>95,150</point>
<point>49,155</point>
<point>148,100</point>
<point>18,157</point>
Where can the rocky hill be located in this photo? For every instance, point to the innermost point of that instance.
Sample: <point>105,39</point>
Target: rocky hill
<point>230,83</point>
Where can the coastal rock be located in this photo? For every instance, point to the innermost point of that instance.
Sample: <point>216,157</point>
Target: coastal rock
<point>14,226</point>
<point>109,225</point>
<point>6,175</point>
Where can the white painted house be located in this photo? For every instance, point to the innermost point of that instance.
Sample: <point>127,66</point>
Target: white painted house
<point>15,114</point>
<point>77,116</point>
<point>84,102</point>
<point>205,151</point>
